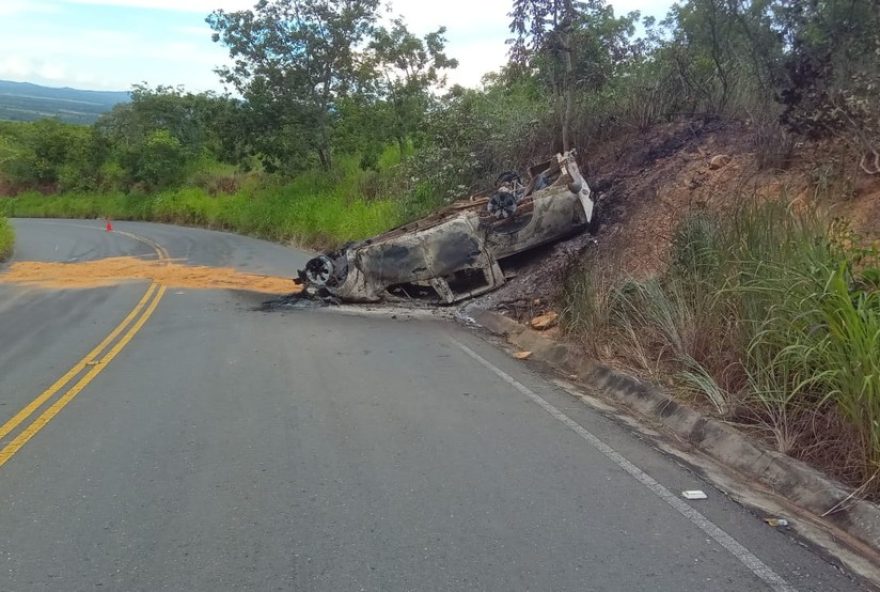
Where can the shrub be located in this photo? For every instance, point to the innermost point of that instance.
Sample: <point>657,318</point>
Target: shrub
<point>7,239</point>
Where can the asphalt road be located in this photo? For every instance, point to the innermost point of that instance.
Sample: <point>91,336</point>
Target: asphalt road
<point>223,448</point>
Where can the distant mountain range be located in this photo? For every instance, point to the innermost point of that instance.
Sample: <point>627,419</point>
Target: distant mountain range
<point>23,101</point>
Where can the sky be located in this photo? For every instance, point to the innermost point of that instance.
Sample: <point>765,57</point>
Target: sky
<point>113,44</point>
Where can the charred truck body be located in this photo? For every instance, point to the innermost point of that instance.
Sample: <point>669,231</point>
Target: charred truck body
<point>455,253</point>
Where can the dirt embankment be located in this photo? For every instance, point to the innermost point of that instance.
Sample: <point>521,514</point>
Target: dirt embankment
<point>105,272</point>
<point>647,182</point>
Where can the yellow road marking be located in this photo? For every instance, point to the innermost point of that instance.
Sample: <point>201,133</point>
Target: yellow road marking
<point>161,253</point>
<point>88,360</point>
<point>30,431</point>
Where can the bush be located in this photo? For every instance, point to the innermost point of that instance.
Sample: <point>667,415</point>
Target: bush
<point>7,239</point>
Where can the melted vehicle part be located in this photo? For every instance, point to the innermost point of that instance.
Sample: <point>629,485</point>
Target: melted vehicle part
<point>454,254</point>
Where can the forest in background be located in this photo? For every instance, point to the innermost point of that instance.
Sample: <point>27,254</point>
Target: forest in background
<point>331,102</point>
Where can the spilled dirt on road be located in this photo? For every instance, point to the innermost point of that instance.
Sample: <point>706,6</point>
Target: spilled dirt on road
<point>114,270</point>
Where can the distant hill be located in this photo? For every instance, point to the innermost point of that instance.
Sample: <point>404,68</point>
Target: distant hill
<point>23,101</point>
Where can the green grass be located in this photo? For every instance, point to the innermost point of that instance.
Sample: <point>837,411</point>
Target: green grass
<point>772,317</point>
<point>280,214</point>
<point>7,239</point>
<point>317,209</point>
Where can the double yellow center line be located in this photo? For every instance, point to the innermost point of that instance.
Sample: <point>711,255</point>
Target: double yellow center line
<point>95,361</point>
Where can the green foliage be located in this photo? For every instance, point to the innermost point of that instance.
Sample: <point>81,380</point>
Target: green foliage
<point>164,133</point>
<point>479,134</point>
<point>850,351</point>
<point>830,85</point>
<point>409,68</point>
<point>7,238</point>
<point>724,53</point>
<point>323,78</point>
<point>317,209</point>
<point>47,153</point>
<point>158,161</point>
<point>293,59</point>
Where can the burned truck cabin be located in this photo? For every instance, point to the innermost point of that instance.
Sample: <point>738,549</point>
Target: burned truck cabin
<point>456,253</point>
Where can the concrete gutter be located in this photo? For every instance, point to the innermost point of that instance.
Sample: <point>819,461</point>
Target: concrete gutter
<point>852,521</point>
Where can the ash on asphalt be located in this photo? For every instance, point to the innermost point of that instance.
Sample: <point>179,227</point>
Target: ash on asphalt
<point>399,311</point>
<point>294,301</point>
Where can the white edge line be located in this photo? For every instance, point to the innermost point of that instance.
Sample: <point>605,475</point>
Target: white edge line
<point>746,557</point>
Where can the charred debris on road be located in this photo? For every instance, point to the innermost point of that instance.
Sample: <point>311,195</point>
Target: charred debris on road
<point>462,251</point>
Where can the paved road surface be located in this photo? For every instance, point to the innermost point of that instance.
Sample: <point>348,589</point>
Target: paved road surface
<point>221,448</point>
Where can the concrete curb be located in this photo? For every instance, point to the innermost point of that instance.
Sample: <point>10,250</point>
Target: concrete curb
<point>826,500</point>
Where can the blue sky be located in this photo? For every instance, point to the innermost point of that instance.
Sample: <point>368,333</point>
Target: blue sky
<point>112,44</point>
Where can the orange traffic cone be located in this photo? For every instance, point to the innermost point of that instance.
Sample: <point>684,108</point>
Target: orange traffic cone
<point>109,225</point>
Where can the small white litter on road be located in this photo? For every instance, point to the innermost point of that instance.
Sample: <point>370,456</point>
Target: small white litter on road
<point>694,494</point>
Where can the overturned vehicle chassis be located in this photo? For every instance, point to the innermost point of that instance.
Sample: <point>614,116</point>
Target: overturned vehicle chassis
<point>456,253</point>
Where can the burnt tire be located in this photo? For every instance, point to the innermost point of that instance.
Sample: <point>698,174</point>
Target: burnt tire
<point>502,204</point>
<point>319,270</point>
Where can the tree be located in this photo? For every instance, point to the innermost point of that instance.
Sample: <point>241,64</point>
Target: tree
<point>602,45</point>
<point>411,67</point>
<point>293,60</point>
<point>49,152</point>
<point>171,129</point>
<point>160,161</point>
<point>831,83</point>
<point>545,26</point>
<point>194,120</point>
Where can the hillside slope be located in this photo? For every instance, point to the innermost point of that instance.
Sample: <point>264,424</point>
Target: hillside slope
<point>646,182</point>
<point>23,101</point>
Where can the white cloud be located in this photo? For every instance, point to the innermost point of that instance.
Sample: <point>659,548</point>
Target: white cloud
<point>657,8</point>
<point>476,59</point>
<point>15,67</point>
<point>200,6</point>
<point>203,31</point>
<point>50,71</point>
<point>10,8</point>
<point>489,16</point>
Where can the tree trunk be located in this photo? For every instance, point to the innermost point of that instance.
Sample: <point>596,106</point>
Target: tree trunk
<point>324,156</point>
<point>567,83</point>
<point>568,90</point>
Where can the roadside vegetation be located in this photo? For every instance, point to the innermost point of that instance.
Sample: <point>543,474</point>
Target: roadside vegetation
<point>315,209</point>
<point>769,316</point>
<point>7,239</point>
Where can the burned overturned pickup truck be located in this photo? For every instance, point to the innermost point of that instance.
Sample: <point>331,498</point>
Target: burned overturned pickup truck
<point>457,253</point>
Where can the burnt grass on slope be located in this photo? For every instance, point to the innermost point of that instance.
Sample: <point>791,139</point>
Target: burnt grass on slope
<point>614,173</point>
